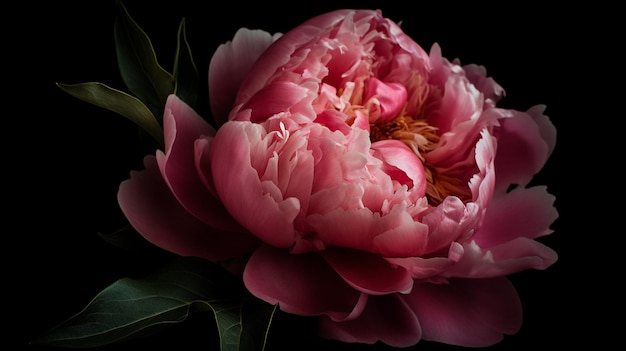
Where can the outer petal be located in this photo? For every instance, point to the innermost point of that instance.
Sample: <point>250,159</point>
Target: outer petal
<point>507,216</point>
<point>230,64</point>
<point>524,144</point>
<point>386,318</point>
<point>471,313</point>
<point>182,127</point>
<point>301,284</point>
<point>154,212</point>
<point>367,272</point>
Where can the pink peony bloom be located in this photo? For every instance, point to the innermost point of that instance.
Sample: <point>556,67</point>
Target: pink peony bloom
<point>358,178</point>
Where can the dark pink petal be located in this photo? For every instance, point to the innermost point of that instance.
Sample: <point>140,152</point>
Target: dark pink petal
<point>302,284</point>
<point>255,204</point>
<point>467,312</point>
<point>182,127</point>
<point>230,64</point>
<point>386,318</point>
<point>366,272</point>
<point>507,216</point>
<point>390,98</point>
<point>524,144</point>
<point>153,211</point>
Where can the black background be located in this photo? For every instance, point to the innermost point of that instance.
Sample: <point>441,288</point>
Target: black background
<point>64,158</point>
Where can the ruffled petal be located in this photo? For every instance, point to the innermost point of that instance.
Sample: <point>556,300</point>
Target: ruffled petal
<point>470,313</point>
<point>302,284</point>
<point>386,318</point>
<point>155,213</point>
<point>257,205</point>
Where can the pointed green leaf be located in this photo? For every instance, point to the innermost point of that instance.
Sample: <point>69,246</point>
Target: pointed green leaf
<point>243,326</point>
<point>185,71</point>
<point>130,308</point>
<point>119,102</point>
<point>257,316</point>
<point>138,64</point>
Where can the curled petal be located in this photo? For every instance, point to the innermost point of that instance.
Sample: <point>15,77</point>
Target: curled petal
<point>302,284</point>
<point>367,272</point>
<point>182,127</point>
<point>386,318</point>
<point>467,312</point>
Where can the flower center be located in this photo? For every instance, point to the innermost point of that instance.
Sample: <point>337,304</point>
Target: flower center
<point>421,137</point>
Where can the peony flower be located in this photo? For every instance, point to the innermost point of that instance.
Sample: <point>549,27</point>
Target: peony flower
<point>351,175</point>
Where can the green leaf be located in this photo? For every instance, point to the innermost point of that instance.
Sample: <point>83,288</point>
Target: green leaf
<point>257,318</point>
<point>130,308</point>
<point>243,326</point>
<point>117,101</point>
<point>138,64</point>
<point>185,71</point>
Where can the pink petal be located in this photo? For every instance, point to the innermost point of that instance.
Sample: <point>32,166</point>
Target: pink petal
<point>182,127</point>
<point>151,209</point>
<point>391,98</point>
<point>368,272</point>
<point>402,165</point>
<point>501,260</point>
<point>507,216</point>
<point>386,318</point>
<point>251,202</point>
<point>467,312</point>
<point>229,65</point>
<point>302,284</point>
<point>524,144</point>
<point>278,97</point>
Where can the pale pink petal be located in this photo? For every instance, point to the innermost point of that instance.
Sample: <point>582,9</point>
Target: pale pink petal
<point>431,269</point>
<point>363,230</point>
<point>452,220</point>
<point>402,165</point>
<point>467,312</point>
<point>523,212</point>
<point>302,284</point>
<point>386,318</point>
<point>522,149</point>
<point>253,203</point>
<point>504,259</point>
<point>153,211</point>
<point>230,64</point>
<point>182,127</point>
<point>368,272</point>
<point>278,55</point>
